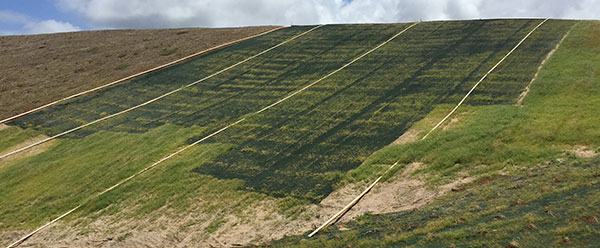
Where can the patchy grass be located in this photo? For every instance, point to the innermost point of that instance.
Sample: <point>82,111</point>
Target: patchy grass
<point>305,145</point>
<point>535,206</point>
<point>167,52</point>
<point>558,114</point>
<point>174,185</point>
<point>530,192</point>
<point>12,136</point>
<point>121,66</point>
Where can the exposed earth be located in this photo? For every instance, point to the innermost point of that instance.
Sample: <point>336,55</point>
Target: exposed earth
<point>38,69</point>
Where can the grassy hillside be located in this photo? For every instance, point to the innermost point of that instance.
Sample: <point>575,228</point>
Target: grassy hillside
<point>537,176</point>
<point>287,159</point>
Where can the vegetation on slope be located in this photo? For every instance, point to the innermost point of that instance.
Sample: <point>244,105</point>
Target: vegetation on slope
<point>530,192</point>
<point>407,76</point>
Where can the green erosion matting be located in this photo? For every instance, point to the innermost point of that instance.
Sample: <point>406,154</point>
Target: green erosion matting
<point>78,111</point>
<point>303,146</point>
<point>241,90</point>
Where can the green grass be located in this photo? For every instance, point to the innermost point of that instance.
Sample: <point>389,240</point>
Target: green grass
<point>12,136</point>
<point>69,172</point>
<point>544,193</point>
<point>167,52</point>
<point>121,66</point>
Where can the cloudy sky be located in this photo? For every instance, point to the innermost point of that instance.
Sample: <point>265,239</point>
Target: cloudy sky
<point>49,16</point>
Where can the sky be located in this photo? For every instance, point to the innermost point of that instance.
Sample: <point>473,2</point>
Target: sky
<point>51,16</point>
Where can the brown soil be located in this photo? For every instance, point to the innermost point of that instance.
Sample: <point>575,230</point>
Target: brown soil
<point>407,137</point>
<point>38,69</point>
<point>402,192</point>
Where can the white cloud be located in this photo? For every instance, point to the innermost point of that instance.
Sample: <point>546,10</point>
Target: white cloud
<point>50,26</point>
<point>587,9</point>
<point>178,13</point>
<point>29,25</point>
<point>211,13</point>
<point>101,14</point>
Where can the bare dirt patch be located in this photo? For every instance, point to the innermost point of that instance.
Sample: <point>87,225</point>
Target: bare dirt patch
<point>414,133</point>
<point>257,224</point>
<point>452,122</point>
<point>402,192</point>
<point>584,152</point>
<point>29,152</point>
<point>3,126</point>
<point>407,137</point>
<point>37,69</point>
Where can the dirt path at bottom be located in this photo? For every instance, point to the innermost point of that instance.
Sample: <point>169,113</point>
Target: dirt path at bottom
<point>258,223</point>
<point>401,193</point>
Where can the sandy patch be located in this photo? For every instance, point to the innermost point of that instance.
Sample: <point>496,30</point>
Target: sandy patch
<point>401,193</point>
<point>3,126</point>
<point>584,152</point>
<point>450,124</point>
<point>29,152</point>
<point>257,224</point>
<point>407,137</point>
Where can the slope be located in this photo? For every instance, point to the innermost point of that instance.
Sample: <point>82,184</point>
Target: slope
<point>279,161</point>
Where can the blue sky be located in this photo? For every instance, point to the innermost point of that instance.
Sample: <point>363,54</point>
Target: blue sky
<point>22,16</point>
<point>42,9</point>
<point>48,16</point>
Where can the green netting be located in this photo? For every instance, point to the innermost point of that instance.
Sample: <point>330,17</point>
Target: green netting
<point>114,99</point>
<point>301,147</point>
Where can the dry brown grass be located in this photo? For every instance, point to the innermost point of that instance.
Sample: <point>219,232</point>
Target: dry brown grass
<point>37,69</point>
